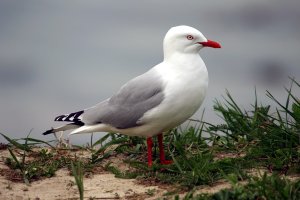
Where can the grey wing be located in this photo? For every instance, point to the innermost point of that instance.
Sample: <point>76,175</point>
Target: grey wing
<point>124,109</point>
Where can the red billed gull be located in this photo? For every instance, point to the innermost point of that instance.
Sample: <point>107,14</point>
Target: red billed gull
<point>156,101</point>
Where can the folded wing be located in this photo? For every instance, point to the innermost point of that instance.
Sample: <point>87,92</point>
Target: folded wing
<point>124,109</point>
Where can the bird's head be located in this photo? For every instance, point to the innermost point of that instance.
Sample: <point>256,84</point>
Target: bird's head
<point>186,39</point>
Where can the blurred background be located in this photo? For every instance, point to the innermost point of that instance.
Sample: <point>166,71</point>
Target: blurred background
<point>59,56</point>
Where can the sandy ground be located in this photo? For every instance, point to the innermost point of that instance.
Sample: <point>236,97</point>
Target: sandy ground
<point>62,186</point>
<point>97,186</point>
<point>102,186</point>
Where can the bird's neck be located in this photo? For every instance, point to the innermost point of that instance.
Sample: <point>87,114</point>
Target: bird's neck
<point>184,59</point>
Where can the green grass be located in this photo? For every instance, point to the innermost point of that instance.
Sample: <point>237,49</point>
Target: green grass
<point>265,187</point>
<point>263,138</point>
<point>77,172</point>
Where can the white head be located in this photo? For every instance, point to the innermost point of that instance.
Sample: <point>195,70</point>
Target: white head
<point>186,39</point>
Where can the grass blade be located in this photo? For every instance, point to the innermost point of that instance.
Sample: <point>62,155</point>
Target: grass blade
<point>16,144</point>
<point>77,172</point>
<point>37,141</point>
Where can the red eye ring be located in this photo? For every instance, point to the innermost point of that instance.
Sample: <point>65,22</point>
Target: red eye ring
<point>189,37</point>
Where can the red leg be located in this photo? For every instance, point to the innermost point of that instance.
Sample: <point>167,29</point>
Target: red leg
<point>161,150</point>
<point>149,145</point>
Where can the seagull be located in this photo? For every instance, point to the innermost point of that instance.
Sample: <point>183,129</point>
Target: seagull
<point>156,101</point>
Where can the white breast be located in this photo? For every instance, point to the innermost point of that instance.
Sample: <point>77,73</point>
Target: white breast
<point>185,89</point>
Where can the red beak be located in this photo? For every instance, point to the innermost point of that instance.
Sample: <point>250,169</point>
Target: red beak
<point>210,43</point>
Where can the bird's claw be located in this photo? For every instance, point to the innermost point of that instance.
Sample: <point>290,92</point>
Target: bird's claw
<point>166,162</point>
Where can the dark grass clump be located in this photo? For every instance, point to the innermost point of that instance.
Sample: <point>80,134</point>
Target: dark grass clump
<point>266,187</point>
<point>33,166</point>
<point>28,163</point>
<point>194,161</point>
<point>271,139</point>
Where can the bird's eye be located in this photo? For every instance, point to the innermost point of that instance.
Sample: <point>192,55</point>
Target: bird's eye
<point>189,37</point>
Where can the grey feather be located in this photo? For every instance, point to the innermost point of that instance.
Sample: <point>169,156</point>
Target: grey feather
<point>124,109</point>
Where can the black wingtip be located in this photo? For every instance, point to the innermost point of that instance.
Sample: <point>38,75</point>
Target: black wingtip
<point>48,132</point>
